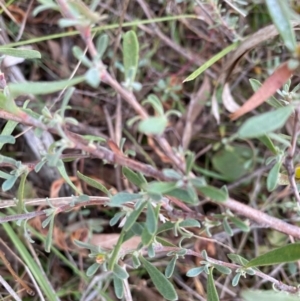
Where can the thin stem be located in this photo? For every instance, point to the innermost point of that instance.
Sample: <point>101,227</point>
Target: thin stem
<point>289,161</point>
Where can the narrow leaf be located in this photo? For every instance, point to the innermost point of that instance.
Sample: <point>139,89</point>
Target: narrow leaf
<point>269,87</point>
<point>130,55</point>
<point>22,53</point>
<point>93,183</point>
<point>267,296</point>
<point>195,271</point>
<point>163,285</point>
<point>211,61</point>
<point>273,176</point>
<point>42,88</point>
<point>212,294</point>
<point>265,123</point>
<point>8,129</point>
<point>133,177</point>
<point>284,254</point>
<point>170,267</point>
<point>266,140</point>
<point>151,219</point>
<point>279,12</point>
<point>133,216</point>
<point>118,287</point>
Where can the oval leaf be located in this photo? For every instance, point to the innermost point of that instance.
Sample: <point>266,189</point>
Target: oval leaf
<point>163,285</point>
<point>123,197</point>
<point>265,123</point>
<point>153,125</point>
<point>284,254</point>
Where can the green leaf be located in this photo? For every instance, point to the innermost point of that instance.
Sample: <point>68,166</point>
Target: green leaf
<point>212,294</point>
<point>267,296</point>
<point>120,272</point>
<point>281,16</point>
<point>42,88</point>
<point>189,222</point>
<point>227,227</point>
<point>155,103</point>
<point>92,77</point>
<point>133,216</point>
<point>124,197</point>
<point>213,193</point>
<point>151,219</point>
<point>240,224</point>
<point>36,270</point>
<point>163,285</point>
<point>118,287</point>
<point>101,45</point>
<point>147,237</point>
<point>237,259</point>
<point>265,123</point>
<point>79,54</point>
<point>195,271</point>
<point>184,196</point>
<point>236,279</point>
<point>133,177</point>
<point>92,269</point>
<point>8,129</point>
<point>153,125</point>
<point>130,55</point>
<point>7,139</point>
<point>62,170</point>
<point>160,187</point>
<point>93,183</point>
<point>211,61</point>
<point>222,269</point>
<point>48,241</point>
<point>284,254</point>
<point>265,139</point>
<point>22,53</point>
<point>170,267</point>
<point>273,176</point>
<point>9,183</point>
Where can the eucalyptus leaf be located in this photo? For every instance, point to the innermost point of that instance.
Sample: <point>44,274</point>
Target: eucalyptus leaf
<point>9,183</point>
<point>189,222</point>
<point>7,139</point>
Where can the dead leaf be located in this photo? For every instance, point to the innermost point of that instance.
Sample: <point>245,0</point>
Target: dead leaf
<point>251,42</point>
<point>268,88</point>
<point>215,107</point>
<point>228,101</point>
<point>108,241</point>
